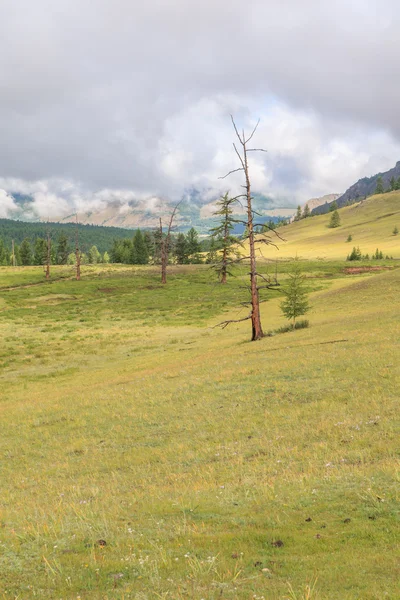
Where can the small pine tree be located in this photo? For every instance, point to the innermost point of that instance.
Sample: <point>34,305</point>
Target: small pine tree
<point>306,211</point>
<point>333,206</point>
<point>355,254</point>
<point>379,185</point>
<point>392,184</point>
<point>40,252</point>
<point>349,238</point>
<point>181,250</point>
<point>395,230</point>
<point>62,249</point>
<point>106,258</point>
<point>140,249</point>
<point>25,252</point>
<point>298,214</point>
<point>335,220</point>
<point>295,303</point>
<point>94,255</point>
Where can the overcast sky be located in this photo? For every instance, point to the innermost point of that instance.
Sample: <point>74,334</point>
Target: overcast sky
<point>108,99</point>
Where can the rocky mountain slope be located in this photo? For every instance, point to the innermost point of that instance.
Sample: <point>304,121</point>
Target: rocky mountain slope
<point>359,191</point>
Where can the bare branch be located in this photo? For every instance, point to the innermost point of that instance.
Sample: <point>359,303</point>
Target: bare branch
<point>240,158</point>
<point>226,323</point>
<point>256,150</point>
<point>252,133</point>
<point>236,130</point>
<point>230,173</point>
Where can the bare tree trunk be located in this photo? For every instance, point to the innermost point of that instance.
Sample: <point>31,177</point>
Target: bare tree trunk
<point>257,332</point>
<point>13,253</point>
<point>165,243</point>
<point>77,252</point>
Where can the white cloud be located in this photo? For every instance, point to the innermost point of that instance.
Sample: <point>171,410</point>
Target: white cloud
<point>7,205</point>
<point>129,101</point>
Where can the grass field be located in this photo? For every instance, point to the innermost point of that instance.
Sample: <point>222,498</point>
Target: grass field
<point>370,223</point>
<point>146,454</point>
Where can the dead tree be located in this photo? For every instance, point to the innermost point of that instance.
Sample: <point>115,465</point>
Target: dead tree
<point>78,255</point>
<point>252,235</point>
<point>165,242</point>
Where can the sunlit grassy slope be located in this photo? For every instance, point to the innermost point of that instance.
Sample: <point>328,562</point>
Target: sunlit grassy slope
<point>147,455</point>
<point>370,223</point>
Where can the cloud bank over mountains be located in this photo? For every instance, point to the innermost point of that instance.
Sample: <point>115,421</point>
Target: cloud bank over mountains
<point>130,101</point>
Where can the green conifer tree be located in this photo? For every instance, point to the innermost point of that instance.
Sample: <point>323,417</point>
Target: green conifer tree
<point>139,244</point>
<point>25,252</point>
<point>298,214</point>
<point>379,185</point>
<point>62,250</point>
<point>40,252</point>
<point>181,250</point>
<point>335,219</point>
<point>306,211</point>
<point>295,303</point>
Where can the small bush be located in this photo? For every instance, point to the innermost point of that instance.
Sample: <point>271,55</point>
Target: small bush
<point>286,328</point>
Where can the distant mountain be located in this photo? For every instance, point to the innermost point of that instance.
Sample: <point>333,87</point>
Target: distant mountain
<point>315,202</point>
<point>145,213</point>
<point>362,189</point>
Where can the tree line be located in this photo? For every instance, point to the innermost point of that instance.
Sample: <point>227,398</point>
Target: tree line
<point>141,248</point>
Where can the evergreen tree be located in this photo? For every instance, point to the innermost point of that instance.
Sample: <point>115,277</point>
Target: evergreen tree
<point>306,211</point>
<point>40,252</point>
<point>62,250</point>
<point>333,206</point>
<point>149,243</point>
<point>379,185</point>
<point>94,255</point>
<point>3,254</point>
<point>141,252</point>
<point>355,254</point>
<point>298,214</point>
<point>212,252</point>
<point>225,241</point>
<point>395,230</point>
<point>193,245</point>
<point>335,219</point>
<point>398,184</point>
<point>295,303</point>
<point>392,184</point>
<point>25,252</point>
<point>349,238</point>
<point>106,258</point>
<point>181,250</point>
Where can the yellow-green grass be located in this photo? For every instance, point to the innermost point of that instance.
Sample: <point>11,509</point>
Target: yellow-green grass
<point>370,223</point>
<point>146,454</point>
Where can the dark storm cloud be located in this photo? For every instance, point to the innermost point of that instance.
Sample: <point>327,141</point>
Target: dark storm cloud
<point>136,96</point>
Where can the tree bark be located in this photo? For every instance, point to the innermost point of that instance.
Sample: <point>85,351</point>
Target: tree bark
<point>257,332</point>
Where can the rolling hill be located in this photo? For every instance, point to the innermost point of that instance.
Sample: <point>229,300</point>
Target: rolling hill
<point>370,223</point>
<point>361,189</point>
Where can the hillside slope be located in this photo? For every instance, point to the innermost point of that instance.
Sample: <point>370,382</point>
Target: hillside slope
<point>361,189</point>
<point>370,223</point>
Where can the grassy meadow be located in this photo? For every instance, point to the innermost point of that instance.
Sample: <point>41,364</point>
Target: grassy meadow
<point>370,223</point>
<point>147,454</point>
